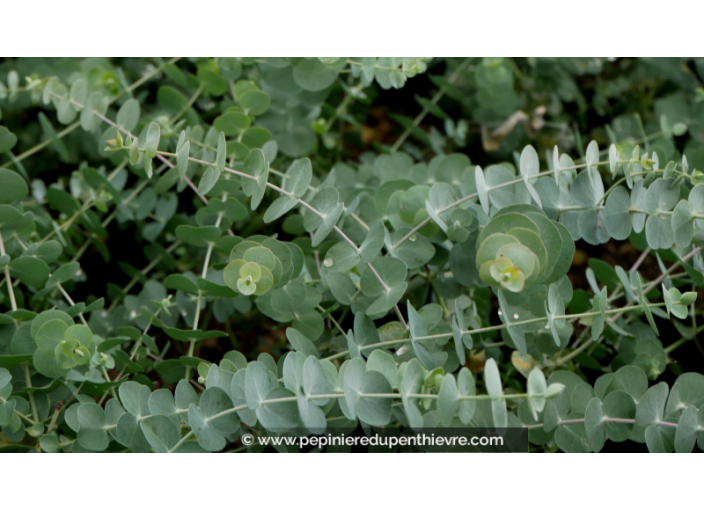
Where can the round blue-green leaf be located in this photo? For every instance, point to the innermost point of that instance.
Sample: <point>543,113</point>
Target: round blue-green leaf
<point>208,437</point>
<point>413,201</point>
<point>182,283</point>
<point>128,115</point>
<point>558,407</point>
<point>301,343</point>
<point>198,236</point>
<point>499,413</point>
<point>587,188</point>
<point>482,189</point>
<point>328,221</point>
<point>687,429</point>
<point>427,359</point>
<point>256,137</point>
<point>504,223</point>
<point>392,271</point>
<point>537,387</point>
<point>651,407</point>
<point>135,398</point>
<point>638,204</point>
<point>310,324</point>
<point>185,395</point>
<point>96,102</point>
<point>658,232</point>
<point>30,271</point>
<point>594,425</point>
<point>232,123</point>
<point>441,195</point>
<point>415,323</point>
<point>290,298</point>
<point>254,102</point>
<point>63,274</point>
<point>516,333</point>
<point>372,410</point>
<point>661,196</point>
<point>619,405</point>
<point>592,227</point>
<point>257,167</point>
<point>466,387</point>
<point>49,336</point>
<point>617,216</point>
<point>91,434</point>
<point>161,433</point>
<point>412,379</point>
<point>592,155</point>
<point>383,194</point>
<point>209,179</point>
<point>12,219</point>
<point>352,385</point>
<point>492,379</point>
<point>373,243</point>
<point>324,202</point>
<point>298,177</point>
<point>312,416</point>
<point>260,255</point>
<point>13,186</point>
<point>549,196</point>
<point>582,394</point>
<point>416,251</point>
<point>49,251</point>
<point>352,346</point>
<point>630,379</point>
<point>682,224</point>
<point>660,438</point>
<point>529,163</point>
<point>564,261</point>
<point>7,142</point>
<point>5,378</point>
<point>280,415</point>
<point>314,381</point>
<point>293,370</point>
<point>382,362</point>
<point>572,438</point>
<point>161,402</point>
<point>7,412</point>
<point>448,400</point>
<point>279,207</point>
<point>696,199</point>
<point>551,240</point>
<point>613,159</point>
<point>688,390</point>
<point>501,194</point>
<point>182,159</point>
<point>312,75</point>
<point>215,405</point>
<point>152,143</point>
<point>257,384</point>
<point>365,331</point>
<point>341,257</point>
<point>213,82</point>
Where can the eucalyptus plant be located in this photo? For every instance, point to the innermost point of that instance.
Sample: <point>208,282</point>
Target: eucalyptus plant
<point>401,289</point>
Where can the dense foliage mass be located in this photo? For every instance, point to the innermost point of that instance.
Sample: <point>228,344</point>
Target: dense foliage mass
<point>192,249</point>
